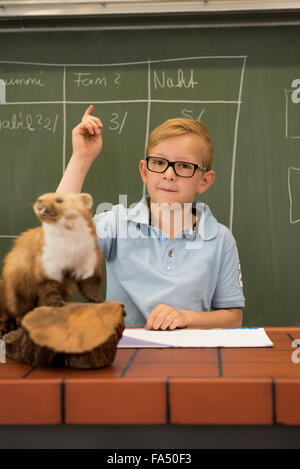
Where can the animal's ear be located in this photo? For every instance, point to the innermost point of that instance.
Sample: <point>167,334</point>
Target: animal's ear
<point>87,199</point>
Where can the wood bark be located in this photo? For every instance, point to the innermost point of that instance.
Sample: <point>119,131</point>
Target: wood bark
<point>78,335</point>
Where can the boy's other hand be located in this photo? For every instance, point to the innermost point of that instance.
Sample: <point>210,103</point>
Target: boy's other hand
<point>166,317</point>
<point>86,137</point>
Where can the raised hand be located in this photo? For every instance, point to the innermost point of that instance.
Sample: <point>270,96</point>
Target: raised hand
<point>86,137</point>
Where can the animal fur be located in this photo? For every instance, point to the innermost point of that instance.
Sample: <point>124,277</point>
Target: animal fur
<point>48,263</point>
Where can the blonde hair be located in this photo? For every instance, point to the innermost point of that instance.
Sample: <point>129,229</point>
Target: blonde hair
<point>181,126</point>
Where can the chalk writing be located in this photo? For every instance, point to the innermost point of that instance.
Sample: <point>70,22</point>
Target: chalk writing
<point>116,122</point>
<point>85,79</point>
<point>163,80</point>
<point>29,122</point>
<point>35,82</point>
<point>191,114</point>
<point>117,79</point>
<point>296,94</point>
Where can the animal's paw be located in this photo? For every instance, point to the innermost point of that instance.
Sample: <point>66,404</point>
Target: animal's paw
<point>55,302</point>
<point>96,298</point>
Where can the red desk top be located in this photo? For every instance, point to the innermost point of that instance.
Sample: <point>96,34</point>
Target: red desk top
<point>226,386</point>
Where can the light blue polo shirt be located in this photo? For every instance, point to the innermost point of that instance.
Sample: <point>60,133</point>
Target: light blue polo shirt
<point>198,270</point>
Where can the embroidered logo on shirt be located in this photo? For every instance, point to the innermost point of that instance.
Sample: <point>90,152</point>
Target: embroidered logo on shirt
<point>240,276</point>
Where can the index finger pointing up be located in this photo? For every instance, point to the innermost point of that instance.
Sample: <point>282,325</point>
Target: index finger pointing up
<point>89,111</point>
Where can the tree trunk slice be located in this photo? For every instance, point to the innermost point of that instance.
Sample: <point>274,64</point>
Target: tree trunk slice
<point>78,335</point>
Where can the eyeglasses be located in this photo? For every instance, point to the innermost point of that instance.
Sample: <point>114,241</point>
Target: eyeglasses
<point>181,168</point>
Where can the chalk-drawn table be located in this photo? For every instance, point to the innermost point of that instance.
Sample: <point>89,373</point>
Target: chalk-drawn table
<point>42,102</point>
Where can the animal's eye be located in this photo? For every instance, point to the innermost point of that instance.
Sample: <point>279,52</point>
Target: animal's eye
<point>59,201</point>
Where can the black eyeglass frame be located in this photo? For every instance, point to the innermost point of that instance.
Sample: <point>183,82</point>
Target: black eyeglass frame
<point>172,164</point>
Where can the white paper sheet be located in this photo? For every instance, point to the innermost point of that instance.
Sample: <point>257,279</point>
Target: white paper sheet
<point>239,337</point>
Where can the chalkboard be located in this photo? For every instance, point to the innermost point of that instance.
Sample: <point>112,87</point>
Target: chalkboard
<point>240,82</point>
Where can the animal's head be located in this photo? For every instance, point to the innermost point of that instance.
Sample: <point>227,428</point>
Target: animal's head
<point>53,207</point>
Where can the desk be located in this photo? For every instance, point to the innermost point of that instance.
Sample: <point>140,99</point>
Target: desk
<point>160,392</point>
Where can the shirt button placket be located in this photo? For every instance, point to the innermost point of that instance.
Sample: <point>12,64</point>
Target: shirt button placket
<point>170,255</point>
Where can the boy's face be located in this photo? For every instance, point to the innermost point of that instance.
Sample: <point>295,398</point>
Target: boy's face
<point>169,188</point>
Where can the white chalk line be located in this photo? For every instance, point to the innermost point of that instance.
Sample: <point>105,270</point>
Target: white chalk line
<point>64,122</point>
<point>290,194</point>
<point>45,64</point>
<point>2,92</point>
<point>129,101</point>
<point>8,236</point>
<point>148,115</point>
<point>232,182</point>
<point>287,115</point>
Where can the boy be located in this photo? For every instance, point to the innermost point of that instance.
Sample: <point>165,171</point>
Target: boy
<point>168,260</point>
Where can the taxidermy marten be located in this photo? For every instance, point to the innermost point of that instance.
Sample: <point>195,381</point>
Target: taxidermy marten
<point>47,263</point>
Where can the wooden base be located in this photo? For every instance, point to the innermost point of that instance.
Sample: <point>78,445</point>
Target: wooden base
<point>78,335</point>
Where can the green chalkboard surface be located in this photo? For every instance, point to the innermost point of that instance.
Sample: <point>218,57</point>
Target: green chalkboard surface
<point>240,82</point>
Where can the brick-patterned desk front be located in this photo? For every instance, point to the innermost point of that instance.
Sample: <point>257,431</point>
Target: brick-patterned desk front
<point>221,386</point>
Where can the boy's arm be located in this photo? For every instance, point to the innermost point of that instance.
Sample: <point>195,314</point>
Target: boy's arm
<point>222,318</point>
<point>166,317</point>
<point>87,143</point>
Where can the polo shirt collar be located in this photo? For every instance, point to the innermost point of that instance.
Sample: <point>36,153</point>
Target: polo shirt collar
<point>140,212</point>
<point>206,225</point>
